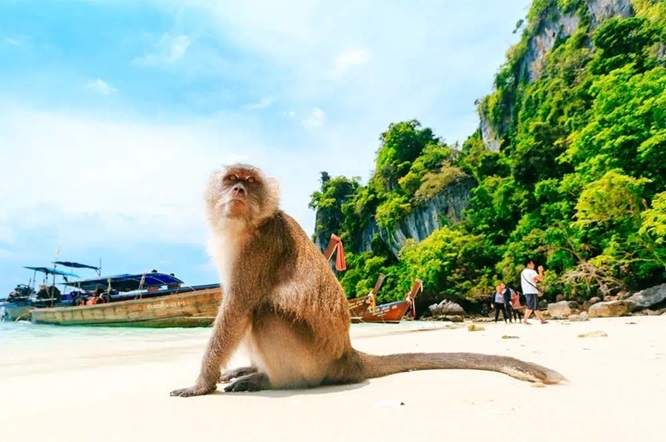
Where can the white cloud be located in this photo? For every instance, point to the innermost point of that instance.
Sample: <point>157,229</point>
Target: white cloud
<point>13,41</point>
<point>347,60</point>
<point>110,183</point>
<point>101,87</point>
<point>314,118</point>
<point>264,103</point>
<point>169,49</point>
<point>363,62</point>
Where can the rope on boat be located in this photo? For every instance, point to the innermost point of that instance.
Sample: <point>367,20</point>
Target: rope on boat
<point>22,315</point>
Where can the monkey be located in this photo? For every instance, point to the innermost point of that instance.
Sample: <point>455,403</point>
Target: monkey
<point>283,303</point>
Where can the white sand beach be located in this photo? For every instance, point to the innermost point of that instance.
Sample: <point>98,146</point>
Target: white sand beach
<point>117,389</point>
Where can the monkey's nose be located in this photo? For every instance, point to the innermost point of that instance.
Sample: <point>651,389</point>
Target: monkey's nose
<point>239,190</point>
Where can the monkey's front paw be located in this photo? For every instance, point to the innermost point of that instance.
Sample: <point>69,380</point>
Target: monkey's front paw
<point>193,391</point>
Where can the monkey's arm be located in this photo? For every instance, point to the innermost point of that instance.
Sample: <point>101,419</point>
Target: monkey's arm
<point>228,330</point>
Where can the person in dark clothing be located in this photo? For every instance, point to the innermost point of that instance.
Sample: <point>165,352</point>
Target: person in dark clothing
<point>506,299</point>
<point>43,292</point>
<point>498,304</point>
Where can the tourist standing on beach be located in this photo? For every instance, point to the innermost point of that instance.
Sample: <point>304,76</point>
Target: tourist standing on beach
<point>506,298</point>
<point>498,303</point>
<point>529,279</point>
<point>516,307</point>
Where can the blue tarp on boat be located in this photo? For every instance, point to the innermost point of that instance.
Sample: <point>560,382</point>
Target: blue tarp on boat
<point>127,282</point>
<point>76,265</point>
<point>49,271</point>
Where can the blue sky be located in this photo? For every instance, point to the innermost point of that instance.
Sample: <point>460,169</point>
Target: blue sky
<point>114,112</point>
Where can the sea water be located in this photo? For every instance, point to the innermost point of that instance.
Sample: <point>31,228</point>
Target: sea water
<point>26,336</point>
<point>27,348</point>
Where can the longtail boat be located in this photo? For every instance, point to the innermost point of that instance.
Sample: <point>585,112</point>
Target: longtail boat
<point>363,309</point>
<point>24,297</point>
<point>358,306</point>
<point>151,299</point>
<point>181,307</point>
<point>17,305</point>
<point>393,312</point>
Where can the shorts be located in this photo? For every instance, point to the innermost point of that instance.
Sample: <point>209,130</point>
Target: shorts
<point>531,301</point>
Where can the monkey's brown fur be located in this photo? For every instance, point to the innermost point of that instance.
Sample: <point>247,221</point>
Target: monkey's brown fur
<point>281,299</point>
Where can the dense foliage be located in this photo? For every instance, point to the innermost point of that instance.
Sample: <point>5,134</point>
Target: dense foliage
<point>579,181</point>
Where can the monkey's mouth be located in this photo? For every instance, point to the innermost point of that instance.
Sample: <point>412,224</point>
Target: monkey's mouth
<point>238,206</point>
<point>238,201</point>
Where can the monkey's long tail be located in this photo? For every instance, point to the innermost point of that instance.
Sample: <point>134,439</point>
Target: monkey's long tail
<point>376,366</point>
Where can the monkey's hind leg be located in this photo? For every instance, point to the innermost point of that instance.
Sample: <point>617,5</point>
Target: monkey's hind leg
<point>237,373</point>
<point>251,382</point>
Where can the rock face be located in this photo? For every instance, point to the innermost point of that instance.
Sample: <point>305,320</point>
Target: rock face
<point>559,27</point>
<point>424,220</point>
<point>610,309</point>
<point>559,310</point>
<point>552,27</point>
<point>446,308</point>
<point>601,10</point>
<point>583,316</point>
<point>647,298</point>
<point>488,134</point>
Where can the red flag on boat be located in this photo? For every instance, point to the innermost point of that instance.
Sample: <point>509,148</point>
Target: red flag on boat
<point>340,263</point>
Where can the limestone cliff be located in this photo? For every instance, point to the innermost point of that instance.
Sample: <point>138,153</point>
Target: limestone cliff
<point>445,208</point>
<point>551,26</point>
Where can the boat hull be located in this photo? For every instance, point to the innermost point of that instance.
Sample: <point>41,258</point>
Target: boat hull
<point>358,307</point>
<point>391,313</point>
<point>190,309</point>
<point>16,311</point>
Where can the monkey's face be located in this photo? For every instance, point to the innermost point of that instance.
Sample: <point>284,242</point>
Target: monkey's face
<point>239,192</point>
<point>242,191</point>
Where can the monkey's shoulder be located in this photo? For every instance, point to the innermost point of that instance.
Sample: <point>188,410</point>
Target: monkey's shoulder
<point>281,236</point>
<point>282,227</point>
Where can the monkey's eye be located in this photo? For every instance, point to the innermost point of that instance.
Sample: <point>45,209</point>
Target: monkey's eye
<point>250,179</point>
<point>232,177</point>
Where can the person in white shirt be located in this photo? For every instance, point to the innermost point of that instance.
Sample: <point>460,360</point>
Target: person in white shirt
<point>528,280</point>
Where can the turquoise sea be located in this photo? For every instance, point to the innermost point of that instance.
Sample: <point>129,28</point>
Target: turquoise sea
<point>27,348</point>
<point>25,336</point>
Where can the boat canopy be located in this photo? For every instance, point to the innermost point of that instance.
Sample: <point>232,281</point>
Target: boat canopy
<point>76,265</point>
<point>127,282</point>
<point>49,271</point>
